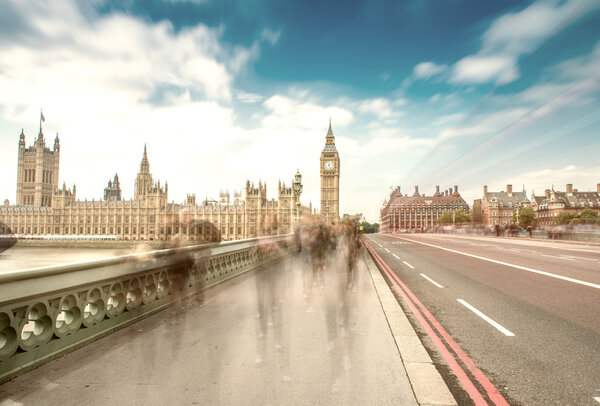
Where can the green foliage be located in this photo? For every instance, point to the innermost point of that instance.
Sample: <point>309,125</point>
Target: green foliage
<point>459,216</point>
<point>527,217</point>
<point>369,228</point>
<point>588,213</point>
<point>445,218</point>
<point>587,216</point>
<point>563,218</point>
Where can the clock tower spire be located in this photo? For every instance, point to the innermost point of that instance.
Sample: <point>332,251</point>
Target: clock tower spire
<point>330,178</point>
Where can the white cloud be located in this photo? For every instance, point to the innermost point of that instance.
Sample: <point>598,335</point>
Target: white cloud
<point>287,112</point>
<point>482,69</point>
<point>382,109</point>
<point>449,119</point>
<point>514,34</point>
<point>425,70</point>
<point>271,36</point>
<point>487,124</point>
<point>246,97</point>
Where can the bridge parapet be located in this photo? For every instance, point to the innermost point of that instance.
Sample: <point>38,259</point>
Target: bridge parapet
<point>46,312</point>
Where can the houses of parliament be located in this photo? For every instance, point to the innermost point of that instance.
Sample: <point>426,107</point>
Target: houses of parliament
<point>45,209</point>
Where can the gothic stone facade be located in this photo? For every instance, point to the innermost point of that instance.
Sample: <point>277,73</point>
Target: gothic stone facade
<point>403,212</point>
<point>330,178</point>
<point>44,209</point>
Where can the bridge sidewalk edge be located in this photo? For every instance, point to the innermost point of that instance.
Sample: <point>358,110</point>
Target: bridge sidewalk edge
<point>427,384</point>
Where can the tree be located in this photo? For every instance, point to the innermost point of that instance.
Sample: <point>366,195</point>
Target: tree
<point>368,228</point>
<point>588,213</point>
<point>445,218</point>
<point>459,216</point>
<point>564,218</point>
<point>527,217</point>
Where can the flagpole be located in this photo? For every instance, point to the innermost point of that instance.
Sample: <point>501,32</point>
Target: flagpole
<point>41,121</point>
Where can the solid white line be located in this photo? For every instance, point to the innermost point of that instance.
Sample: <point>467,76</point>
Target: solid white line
<point>552,256</point>
<point>387,250</point>
<point>408,265</point>
<point>431,280</point>
<point>396,256</point>
<point>574,257</point>
<point>486,318</point>
<point>523,268</point>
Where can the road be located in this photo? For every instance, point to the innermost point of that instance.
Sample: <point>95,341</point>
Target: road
<point>525,313</point>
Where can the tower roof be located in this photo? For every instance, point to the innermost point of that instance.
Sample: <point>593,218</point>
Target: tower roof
<point>329,140</point>
<point>145,165</point>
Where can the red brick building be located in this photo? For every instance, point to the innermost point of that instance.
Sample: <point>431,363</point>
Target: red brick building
<point>403,212</point>
<point>498,207</point>
<point>552,203</point>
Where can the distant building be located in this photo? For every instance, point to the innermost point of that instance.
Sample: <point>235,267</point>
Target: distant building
<point>330,178</point>
<point>404,212</point>
<point>45,209</point>
<point>498,207</point>
<point>477,214</point>
<point>37,171</point>
<point>552,203</point>
<point>113,191</point>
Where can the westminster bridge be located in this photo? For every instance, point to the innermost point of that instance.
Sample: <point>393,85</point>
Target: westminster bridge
<point>238,322</point>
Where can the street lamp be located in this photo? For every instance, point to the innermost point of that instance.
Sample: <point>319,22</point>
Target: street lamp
<point>298,191</point>
<point>327,212</point>
<point>453,218</point>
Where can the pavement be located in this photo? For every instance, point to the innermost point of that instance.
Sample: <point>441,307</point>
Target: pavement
<point>275,336</point>
<point>519,319</point>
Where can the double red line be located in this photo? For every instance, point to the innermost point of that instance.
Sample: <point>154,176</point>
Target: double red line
<point>429,323</point>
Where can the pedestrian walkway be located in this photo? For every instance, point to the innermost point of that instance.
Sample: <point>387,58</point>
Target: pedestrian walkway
<point>272,336</point>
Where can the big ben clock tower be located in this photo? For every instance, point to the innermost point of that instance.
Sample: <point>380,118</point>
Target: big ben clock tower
<point>330,178</point>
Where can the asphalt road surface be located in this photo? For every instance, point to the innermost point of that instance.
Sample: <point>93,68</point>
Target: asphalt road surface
<point>519,316</point>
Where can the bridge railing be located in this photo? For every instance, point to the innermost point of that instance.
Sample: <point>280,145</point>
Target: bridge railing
<point>46,312</point>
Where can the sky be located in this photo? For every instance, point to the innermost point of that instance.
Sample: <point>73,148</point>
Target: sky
<point>419,92</point>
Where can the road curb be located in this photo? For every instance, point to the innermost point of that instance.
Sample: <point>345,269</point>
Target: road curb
<point>427,384</point>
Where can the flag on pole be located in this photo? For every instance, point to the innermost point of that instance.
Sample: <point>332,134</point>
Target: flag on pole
<point>42,117</point>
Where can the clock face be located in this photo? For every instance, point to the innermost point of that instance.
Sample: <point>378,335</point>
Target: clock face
<point>329,165</point>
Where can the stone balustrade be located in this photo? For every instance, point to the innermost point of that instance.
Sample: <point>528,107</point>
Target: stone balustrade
<point>46,312</point>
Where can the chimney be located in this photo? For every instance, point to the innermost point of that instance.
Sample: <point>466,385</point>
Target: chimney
<point>437,190</point>
<point>456,190</point>
<point>598,188</point>
<point>509,190</point>
<point>547,193</point>
<point>416,191</point>
<point>569,188</point>
<point>485,190</point>
<point>446,192</point>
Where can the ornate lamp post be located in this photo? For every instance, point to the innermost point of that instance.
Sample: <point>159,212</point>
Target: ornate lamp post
<point>298,191</point>
<point>453,217</point>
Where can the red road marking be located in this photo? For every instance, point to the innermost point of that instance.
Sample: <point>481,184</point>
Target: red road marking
<point>493,393</point>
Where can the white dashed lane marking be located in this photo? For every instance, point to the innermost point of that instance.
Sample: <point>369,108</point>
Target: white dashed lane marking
<point>431,280</point>
<point>523,268</point>
<point>408,265</point>
<point>486,318</point>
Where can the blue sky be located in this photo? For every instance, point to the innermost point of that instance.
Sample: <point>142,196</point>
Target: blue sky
<point>421,93</point>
